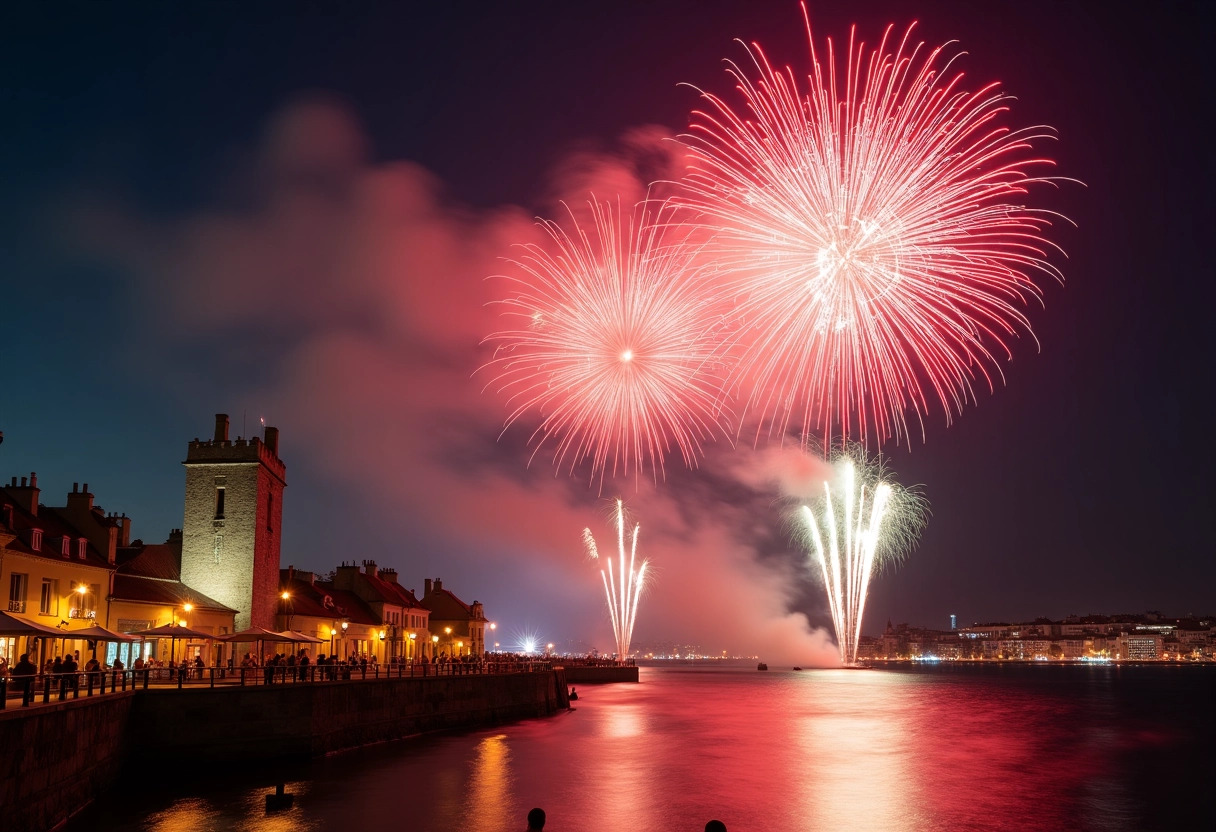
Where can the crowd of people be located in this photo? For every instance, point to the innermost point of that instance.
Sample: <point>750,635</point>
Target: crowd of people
<point>65,673</point>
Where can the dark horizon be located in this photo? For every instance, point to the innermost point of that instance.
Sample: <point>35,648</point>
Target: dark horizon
<point>289,211</point>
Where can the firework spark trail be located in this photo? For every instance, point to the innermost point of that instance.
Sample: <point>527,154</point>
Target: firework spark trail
<point>622,600</point>
<point>614,351</point>
<point>871,533</point>
<point>872,232</point>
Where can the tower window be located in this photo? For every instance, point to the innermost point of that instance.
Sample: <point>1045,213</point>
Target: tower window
<point>270,513</point>
<point>219,503</point>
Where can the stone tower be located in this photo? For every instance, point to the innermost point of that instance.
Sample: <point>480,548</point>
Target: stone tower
<point>233,522</point>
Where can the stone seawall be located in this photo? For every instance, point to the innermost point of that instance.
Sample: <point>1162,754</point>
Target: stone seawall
<point>55,759</point>
<point>252,724</point>
<point>600,675</point>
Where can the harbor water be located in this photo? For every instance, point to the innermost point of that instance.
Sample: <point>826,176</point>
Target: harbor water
<point>915,748</point>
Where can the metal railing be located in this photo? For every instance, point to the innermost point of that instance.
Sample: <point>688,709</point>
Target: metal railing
<point>60,686</point>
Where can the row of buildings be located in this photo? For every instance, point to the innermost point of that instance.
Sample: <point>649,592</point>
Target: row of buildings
<point>1148,637</point>
<point>74,566</point>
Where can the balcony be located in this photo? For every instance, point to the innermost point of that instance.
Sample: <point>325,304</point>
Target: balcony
<point>16,606</point>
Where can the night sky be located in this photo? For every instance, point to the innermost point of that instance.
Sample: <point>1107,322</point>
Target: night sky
<point>288,211</point>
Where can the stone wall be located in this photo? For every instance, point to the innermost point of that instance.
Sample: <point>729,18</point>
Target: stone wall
<point>54,759</point>
<point>209,727</point>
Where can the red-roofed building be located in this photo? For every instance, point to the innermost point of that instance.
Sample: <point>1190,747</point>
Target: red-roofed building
<point>457,628</point>
<point>336,616</point>
<point>71,567</point>
<point>403,618</point>
<point>54,572</point>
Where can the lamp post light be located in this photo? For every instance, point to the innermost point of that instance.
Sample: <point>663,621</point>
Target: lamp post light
<point>333,631</point>
<point>413,650</point>
<point>434,645</point>
<point>345,624</point>
<point>448,632</point>
<point>286,596</point>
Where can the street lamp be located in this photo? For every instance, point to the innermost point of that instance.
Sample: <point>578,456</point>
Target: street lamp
<point>448,631</point>
<point>345,624</point>
<point>413,648</point>
<point>286,596</point>
<point>434,645</point>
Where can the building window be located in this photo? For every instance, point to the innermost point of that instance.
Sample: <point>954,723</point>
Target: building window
<point>270,513</point>
<point>16,592</point>
<point>48,604</point>
<point>219,503</point>
<point>84,604</point>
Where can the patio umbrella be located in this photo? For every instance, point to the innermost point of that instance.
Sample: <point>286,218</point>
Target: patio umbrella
<point>99,633</point>
<point>258,634</point>
<point>300,638</point>
<point>172,631</point>
<point>11,625</point>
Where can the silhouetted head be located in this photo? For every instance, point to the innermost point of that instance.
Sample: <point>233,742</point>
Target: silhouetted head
<point>715,826</point>
<point>536,819</point>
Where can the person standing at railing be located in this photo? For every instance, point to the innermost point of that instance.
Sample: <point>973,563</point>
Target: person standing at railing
<point>23,676</point>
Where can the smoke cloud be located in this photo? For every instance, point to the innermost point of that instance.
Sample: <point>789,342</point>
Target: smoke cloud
<point>351,298</point>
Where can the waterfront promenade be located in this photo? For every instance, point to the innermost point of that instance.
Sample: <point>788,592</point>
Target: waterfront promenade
<point>63,752</point>
<point>57,687</point>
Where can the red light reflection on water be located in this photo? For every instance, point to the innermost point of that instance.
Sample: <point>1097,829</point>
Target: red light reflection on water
<point>968,748</point>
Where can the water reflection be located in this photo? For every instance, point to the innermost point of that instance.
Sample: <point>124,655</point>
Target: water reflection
<point>246,813</point>
<point>490,792</point>
<point>862,775</point>
<point>975,748</point>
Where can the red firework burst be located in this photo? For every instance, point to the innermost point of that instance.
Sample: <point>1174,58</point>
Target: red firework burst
<point>871,232</point>
<point>613,350</point>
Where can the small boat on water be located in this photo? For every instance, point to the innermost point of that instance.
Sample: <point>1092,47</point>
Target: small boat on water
<point>762,666</point>
<point>797,668</point>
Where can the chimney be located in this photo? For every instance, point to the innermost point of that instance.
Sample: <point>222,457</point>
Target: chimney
<point>438,584</point>
<point>80,502</point>
<point>221,427</point>
<point>25,495</point>
<point>427,587</point>
<point>369,568</point>
<point>272,440</point>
